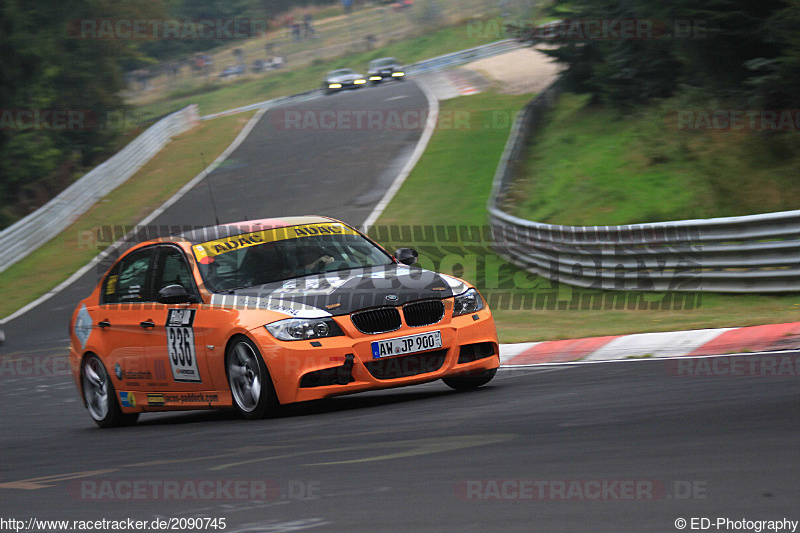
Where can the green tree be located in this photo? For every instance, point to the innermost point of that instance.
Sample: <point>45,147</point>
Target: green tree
<point>47,67</point>
<point>736,49</point>
<point>775,79</point>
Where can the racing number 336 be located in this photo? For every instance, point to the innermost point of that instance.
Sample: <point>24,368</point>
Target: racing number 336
<point>180,343</point>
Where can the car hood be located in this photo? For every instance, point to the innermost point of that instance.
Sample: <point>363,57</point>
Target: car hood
<point>341,293</point>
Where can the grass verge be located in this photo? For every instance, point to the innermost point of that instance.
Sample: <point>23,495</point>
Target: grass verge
<point>448,190</point>
<point>128,204</point>
<point>591,166</point>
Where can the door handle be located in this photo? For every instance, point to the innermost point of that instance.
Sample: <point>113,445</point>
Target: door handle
<point>104,324</point>
<point>147,324</point>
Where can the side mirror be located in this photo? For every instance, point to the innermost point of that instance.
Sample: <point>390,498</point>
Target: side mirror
<point>407,256</point>
<point>174,294</point>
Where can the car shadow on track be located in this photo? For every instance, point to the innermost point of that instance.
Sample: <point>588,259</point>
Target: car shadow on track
<point>338,404</point>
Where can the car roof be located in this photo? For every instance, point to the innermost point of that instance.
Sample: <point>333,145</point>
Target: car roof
<point>247,226</point>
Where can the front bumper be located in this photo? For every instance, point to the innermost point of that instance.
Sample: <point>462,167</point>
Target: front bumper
<point>383,76</point>
<point>308,370</point>
<point>345,85</point>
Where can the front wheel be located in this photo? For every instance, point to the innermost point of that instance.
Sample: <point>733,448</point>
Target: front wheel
<point>251,386</point>
<point>100,396</point>
<point>470,381</point>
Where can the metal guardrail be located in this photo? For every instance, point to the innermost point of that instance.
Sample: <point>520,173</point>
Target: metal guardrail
<point>464,56</point>
<point>26,235</point>
<point>756,253</point>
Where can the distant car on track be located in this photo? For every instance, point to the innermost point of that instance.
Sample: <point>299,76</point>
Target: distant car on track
<point>384,69</point>
<point>256,314</point>
<point>342,79</point>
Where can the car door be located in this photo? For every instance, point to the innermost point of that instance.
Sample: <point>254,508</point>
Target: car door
<point>176,351</point>
<point>121,319</point>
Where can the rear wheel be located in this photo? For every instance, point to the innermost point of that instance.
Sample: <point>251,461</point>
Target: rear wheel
<point>470,381</point>
<point>100,396</point>
<point>251,386</point>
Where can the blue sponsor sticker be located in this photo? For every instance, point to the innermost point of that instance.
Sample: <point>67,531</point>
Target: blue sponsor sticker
<point>83,326</point>
<point>127,399</point>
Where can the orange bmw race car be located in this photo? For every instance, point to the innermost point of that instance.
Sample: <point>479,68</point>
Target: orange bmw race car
<point>256,314</point>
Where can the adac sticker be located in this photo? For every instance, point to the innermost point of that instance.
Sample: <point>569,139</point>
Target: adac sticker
<point>206,251</point>
<point>127,399</point>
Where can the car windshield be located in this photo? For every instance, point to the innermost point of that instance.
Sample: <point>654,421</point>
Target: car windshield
<point>267,256</point>
<point>342,72</point>
<point>388,62</point>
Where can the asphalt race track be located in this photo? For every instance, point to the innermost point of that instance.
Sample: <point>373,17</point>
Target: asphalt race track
<point>422,458</point>
<point>629,446</point>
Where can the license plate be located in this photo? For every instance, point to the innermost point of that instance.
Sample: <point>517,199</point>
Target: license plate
<point>405,345</point>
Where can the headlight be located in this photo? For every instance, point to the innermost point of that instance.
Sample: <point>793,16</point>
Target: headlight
<point>299,329</point>
<point>467,302</point>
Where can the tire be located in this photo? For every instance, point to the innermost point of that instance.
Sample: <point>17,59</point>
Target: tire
<point>100,396</point>
<point>251,386</point>
<point>471,381</point>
